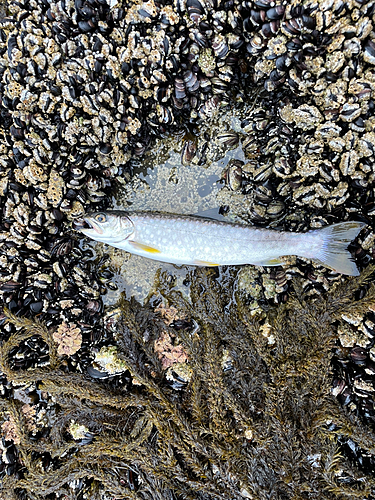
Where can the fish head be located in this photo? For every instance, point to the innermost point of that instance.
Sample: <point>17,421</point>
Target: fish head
<point>107,227</point>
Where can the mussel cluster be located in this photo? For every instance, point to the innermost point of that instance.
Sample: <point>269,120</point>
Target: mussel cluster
<point>86,84</point>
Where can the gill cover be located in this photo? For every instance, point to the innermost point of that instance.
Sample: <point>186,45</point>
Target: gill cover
<point>108,227</point>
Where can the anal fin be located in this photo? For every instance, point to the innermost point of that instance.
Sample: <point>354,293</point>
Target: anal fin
<point>204,263</point>
<point>275,261</point>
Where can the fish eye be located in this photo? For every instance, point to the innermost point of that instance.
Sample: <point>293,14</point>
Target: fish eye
<point>100,217</point>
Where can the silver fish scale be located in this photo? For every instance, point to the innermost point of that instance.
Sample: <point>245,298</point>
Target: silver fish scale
<point>188,240</point>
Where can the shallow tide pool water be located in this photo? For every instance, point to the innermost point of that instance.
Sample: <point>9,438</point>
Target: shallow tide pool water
<point>160,182</point>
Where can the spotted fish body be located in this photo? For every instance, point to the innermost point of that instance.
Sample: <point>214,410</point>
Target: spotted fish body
<point>180,239</point>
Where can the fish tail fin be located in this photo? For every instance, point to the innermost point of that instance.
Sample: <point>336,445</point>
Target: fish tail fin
<point>334,253</point>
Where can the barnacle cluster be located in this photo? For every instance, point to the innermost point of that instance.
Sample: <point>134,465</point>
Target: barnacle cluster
<point>69,339</point>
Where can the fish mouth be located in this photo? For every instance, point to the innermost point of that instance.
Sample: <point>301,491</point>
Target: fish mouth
<point>80,223</point>
<point>86,225</point>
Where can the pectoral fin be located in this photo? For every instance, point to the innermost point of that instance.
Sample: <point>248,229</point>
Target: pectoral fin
<point>268,262</point>
<point>205,263</point>
<point>145,248</point>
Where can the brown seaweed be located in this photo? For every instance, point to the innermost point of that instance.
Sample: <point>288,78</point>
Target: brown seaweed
<point>256,420</point>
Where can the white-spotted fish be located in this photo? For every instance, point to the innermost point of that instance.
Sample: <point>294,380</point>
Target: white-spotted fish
<point>182,239</point>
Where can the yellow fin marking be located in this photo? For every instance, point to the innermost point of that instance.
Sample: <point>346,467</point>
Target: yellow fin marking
<point>145,248</point>
<point>205,263</point>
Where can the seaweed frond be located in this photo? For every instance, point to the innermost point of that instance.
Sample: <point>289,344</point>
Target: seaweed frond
<point>256,419</point>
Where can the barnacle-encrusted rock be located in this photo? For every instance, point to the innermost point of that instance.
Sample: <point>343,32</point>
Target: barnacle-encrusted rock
<point>78,431</point>
<point>206,62</point>
<point>108,360</point>
<point>180,370</point>
<point>9,431</point>
<point>56,188</point>
<point>168,313</point>
<point>69,339</point>
<point>304,117</point>
<point>168,352</point>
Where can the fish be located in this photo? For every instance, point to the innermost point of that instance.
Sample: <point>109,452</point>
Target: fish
<point>200,241</point>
